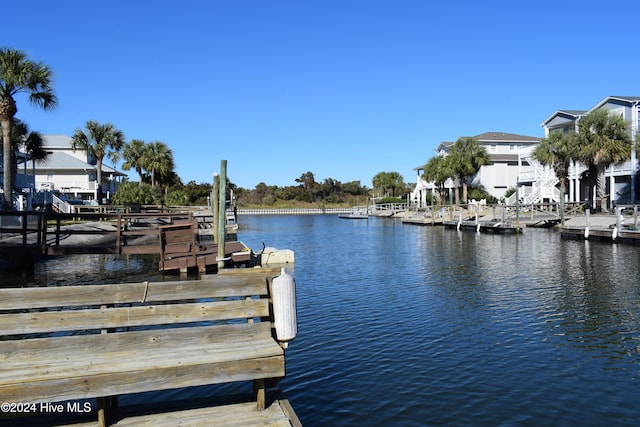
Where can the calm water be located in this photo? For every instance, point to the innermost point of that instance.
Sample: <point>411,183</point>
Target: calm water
<point>422,326</point>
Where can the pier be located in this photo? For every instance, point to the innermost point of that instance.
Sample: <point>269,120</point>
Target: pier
<point>621,226</point>
<point>68,352</point>
<point>575,221</point>
<point>27,236</point>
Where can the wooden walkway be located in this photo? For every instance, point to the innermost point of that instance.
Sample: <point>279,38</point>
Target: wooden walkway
<point>279,414</point>
<point>27,236</point>
<point>621,227</point>
<point>85,342</point>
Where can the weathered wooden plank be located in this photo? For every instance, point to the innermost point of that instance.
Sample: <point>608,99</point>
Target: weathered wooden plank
<point>145,315</point>
<point>177,248</point>
<point>190,352</point>
<point>234,415</point>
<point>246,272</point>
<point>114,347</point>
<point>120,381</point>
<point>212,286</point>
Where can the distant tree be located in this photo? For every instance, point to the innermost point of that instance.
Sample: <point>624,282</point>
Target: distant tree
<point>437,171</point>
<point>100,141</point>
<point>454,163</point>
<point>388,182</point>
<point>556,151</point>
<point>307,180</point>
<point>603,140</point>
<point>354,188</point>
<point>20,75</point>
<point>131,192</point>
<point>133,155</point>
<point>465,158</point>
<point>157,159</point>
<point>196,194</point>
<point>31,143</point>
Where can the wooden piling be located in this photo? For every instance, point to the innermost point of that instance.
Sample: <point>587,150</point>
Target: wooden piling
<point>222,207</point>
<point>215,205</point>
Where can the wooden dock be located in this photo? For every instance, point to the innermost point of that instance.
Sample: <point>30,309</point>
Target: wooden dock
<point>621,227</point>
<point>66,344</point>
<point>496,227</point>
<point>28,236</point>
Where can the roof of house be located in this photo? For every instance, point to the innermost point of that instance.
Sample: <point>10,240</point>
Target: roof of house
<point>61,160</point>
<point>56,141</point>
<point>625,99</point>
<point>569,114</point>
<point>505,137</point>
<point>58,159</point>
<point>575,114</point>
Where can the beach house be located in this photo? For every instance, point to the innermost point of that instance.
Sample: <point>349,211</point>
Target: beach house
<point>622,185</point>
<point>64,171</point>
<point>509,164</point>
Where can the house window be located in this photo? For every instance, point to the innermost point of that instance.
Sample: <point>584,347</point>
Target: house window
<point>494,148</point>
<point>49,176</point>
<point>512,148</point>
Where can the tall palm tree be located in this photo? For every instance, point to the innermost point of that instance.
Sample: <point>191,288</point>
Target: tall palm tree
<point>133,156</point>
<point>467,156</point>
<point>100,140</point>
<point>455,164</point>
<point>437,171</point>
<point>603,139</point>
<point>557,151</point>
<point>20,75</point>
<point>388,181</point>
<point>30,142</point>
<point>157,160</point>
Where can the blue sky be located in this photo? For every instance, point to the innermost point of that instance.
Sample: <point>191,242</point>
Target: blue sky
<point>342,88</point>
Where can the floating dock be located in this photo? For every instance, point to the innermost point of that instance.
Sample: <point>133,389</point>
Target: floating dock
<point>496,227</point>
<point>622,226</point>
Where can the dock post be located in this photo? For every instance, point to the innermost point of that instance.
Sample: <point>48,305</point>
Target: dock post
<point>222,230</point>
<point>561,206</point>
<point>214,206</point>
<point>586,228</point>
<point>517,209</point>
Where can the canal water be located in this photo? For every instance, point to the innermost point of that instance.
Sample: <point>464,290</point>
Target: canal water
<point>402,325</point>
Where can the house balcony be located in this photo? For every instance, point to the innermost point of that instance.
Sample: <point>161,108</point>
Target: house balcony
<point>25,181</point>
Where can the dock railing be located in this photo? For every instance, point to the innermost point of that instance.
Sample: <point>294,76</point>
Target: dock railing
<point>50,230</point>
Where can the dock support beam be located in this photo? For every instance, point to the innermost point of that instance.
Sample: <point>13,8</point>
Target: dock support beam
<point>222,208</point>
<point>215,205</point>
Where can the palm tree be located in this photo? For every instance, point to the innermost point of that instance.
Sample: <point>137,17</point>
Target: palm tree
<point>100,141</point>
<point>557,151</point>
<point>467,156</point>
<point>437,170</point>
<point>603,140</point>
<point>20,75</point>
<point>133,155</point>
<point>30,142</point>
<point>388,181</point>
<point>157,160</point>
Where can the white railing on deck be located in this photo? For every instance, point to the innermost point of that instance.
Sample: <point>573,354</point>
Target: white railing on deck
<point>61,205</point>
